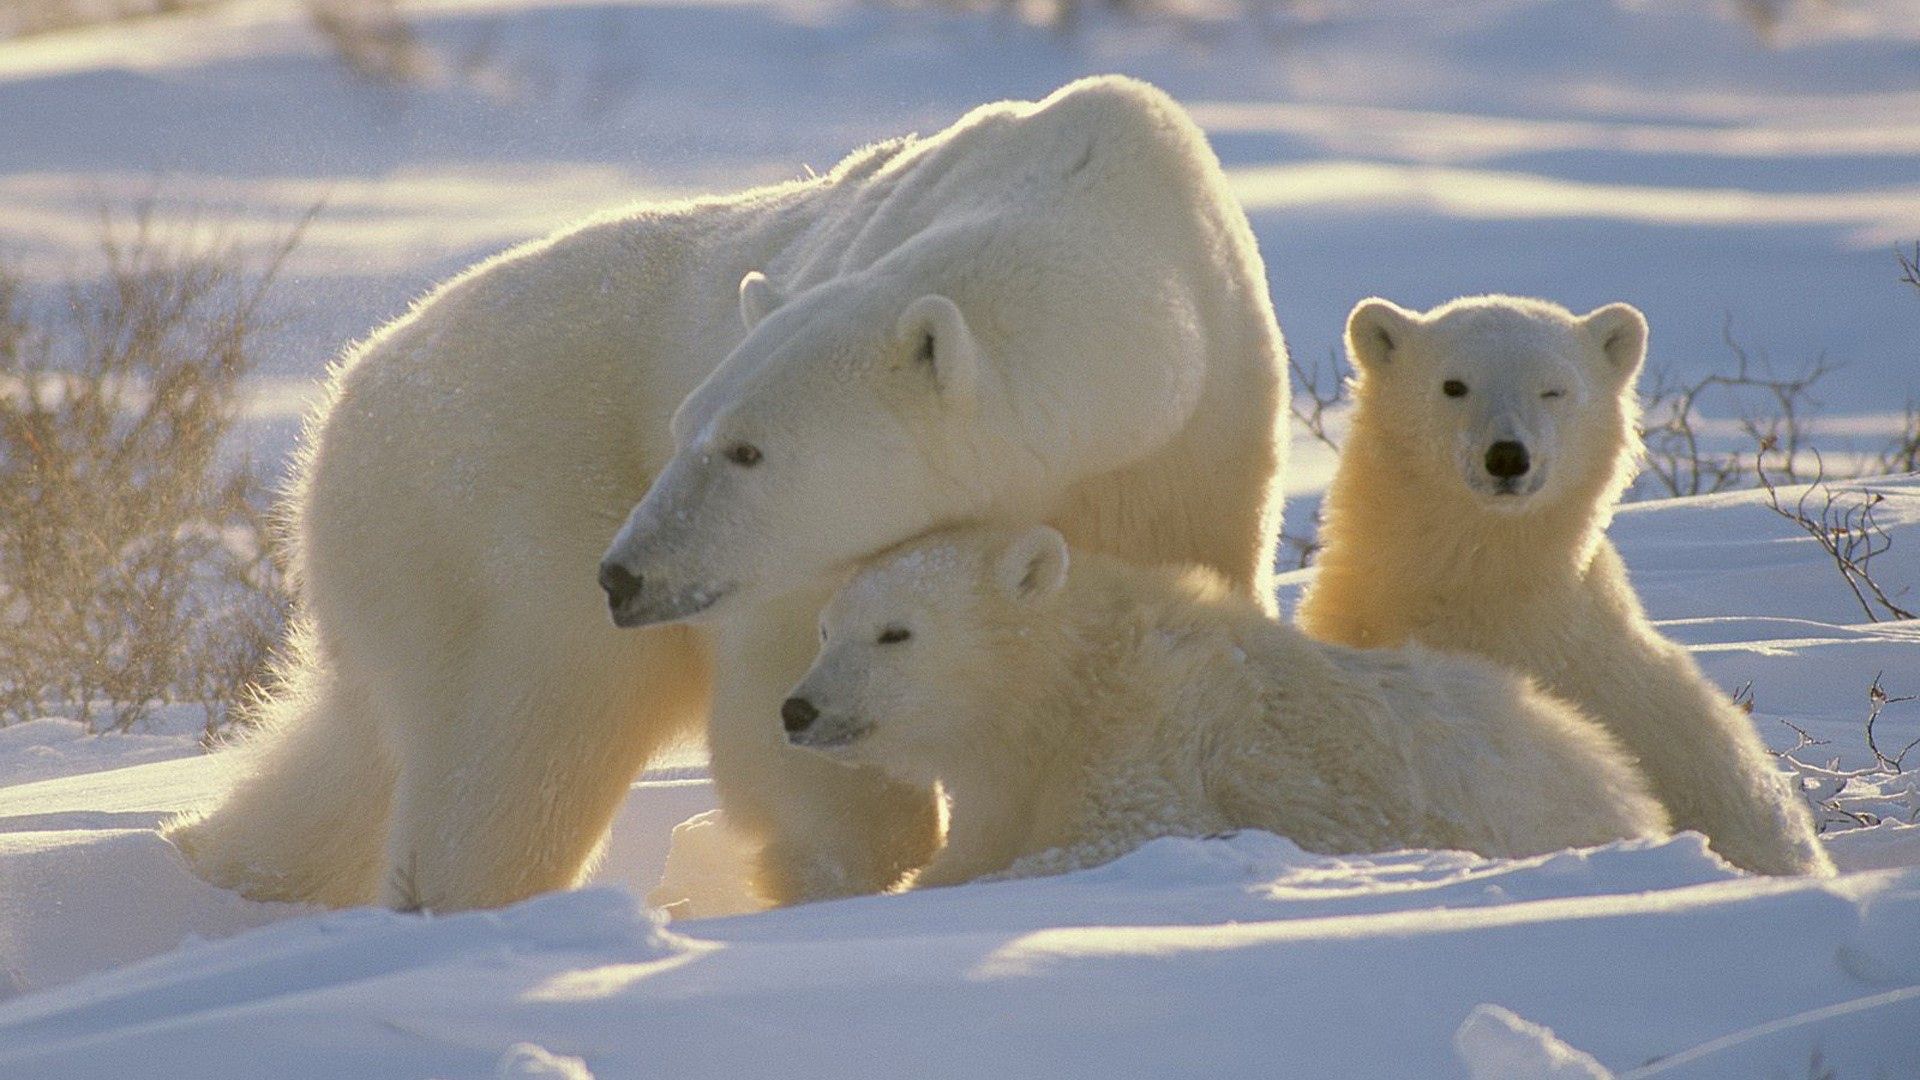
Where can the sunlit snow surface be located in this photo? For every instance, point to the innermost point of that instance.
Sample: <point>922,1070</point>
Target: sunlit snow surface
<point>1240,956</point>
<point>1577,149</point>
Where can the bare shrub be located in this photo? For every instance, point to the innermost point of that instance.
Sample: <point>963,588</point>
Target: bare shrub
<point>1304,547</point>
<point>21,18</point>
<point>134,565</point>
<point>371,39</point>
<point>1845,529</point>
<point>1679,458</point>
<point>1877,701</point>
<point>405,881</point>
<point>1317,395</point>
<point>1902,452</point>
<point>1854,798</point>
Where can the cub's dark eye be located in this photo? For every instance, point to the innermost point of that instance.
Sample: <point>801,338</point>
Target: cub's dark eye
<point>893,635</point>
<point>743,454</point>
<point>1551,394</point>
<point>1454,388</point>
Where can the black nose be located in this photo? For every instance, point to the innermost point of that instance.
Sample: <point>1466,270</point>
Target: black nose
<point>798,714</point>
<point>1507,460</point>
<point>621,584</point>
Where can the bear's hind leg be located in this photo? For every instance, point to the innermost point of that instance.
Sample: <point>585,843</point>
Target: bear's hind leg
<point>306,816</point>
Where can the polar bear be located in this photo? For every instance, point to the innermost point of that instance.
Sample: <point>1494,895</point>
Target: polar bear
<point>1491,438</point>
<point>1072,709</point>
<point>1049,311</point>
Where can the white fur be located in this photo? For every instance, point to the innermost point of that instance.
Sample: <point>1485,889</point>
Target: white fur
<point>1073,709</point>
<point>1421,546</point>
<point>462,719</point>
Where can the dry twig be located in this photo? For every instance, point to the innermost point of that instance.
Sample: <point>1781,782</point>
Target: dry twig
<point>1856,797</point>
<point>1311,401</point>
<point>1878,700</point>
<point>1677,459</point>
<point>1849,534</point>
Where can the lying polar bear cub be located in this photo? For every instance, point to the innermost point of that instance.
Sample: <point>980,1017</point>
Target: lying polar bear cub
<point>1071,715</point>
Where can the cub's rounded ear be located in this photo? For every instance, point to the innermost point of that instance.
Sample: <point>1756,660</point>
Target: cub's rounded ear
<point>1034,564</point>
<point>758,298</point>
<point>936,332</point>
<point>1621,332</point>
<point>1377,330</point>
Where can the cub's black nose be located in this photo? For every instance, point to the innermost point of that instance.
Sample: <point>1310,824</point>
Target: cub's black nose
<point>798,714</point>
<point>621,584</point>
<point>1507,460</point>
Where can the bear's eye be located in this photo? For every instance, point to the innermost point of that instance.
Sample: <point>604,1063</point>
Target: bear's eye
<point>893,635</point>
<point>743,454</point>
<point>1551,394</point>
<point>1454,388</point>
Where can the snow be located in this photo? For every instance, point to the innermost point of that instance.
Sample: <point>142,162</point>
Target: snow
<point>1179,960</point>
<point>1587,151</point>
<point>1495,1044</point>
<point>52,746</point>
<point>1235,956</point>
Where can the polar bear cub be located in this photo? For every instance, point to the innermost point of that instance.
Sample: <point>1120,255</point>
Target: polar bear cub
<point>1491,439</point>
<point>1074,709</point>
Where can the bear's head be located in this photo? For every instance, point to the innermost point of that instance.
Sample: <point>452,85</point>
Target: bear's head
<point>883,403</point>
<point>916,650</point>
<point>1516,404</point>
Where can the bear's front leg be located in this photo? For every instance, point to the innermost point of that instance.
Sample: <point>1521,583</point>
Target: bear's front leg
<point>826,830</point>
<point>515,758</point>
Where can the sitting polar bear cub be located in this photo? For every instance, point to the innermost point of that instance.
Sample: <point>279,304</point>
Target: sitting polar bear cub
<point>1073,714</point>
<point>1491,438</point>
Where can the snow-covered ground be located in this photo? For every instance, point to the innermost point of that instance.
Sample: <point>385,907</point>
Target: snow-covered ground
<point>1240,956</point>
<point>1583,150</point>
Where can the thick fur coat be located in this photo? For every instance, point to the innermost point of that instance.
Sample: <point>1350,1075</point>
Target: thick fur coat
<point>1491,439</point>
<point>1074,709</point>
<point>1050,311</point>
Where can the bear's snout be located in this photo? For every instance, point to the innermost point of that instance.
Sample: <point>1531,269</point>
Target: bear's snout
<point>797,714</point>
<point>1507,459</point>
<point>622,586</point>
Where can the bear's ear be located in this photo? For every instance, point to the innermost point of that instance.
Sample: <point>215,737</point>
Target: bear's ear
<point>1376,330</point>
<point>1621,332</point>
<point>1034,565</point>
<point>940,342</point>
<point>758,298</point>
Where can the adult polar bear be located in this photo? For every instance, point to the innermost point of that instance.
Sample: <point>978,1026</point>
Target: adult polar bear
<point>1050,311</point>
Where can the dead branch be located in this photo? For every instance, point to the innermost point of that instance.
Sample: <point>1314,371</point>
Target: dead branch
<point>1877,700</point>
<point>1676,458</point>
<point>1848,533</point>
<point>1311,400</point>
<point>1902,452</point>
<point>1855,797</point>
